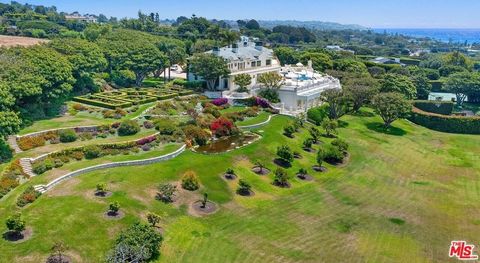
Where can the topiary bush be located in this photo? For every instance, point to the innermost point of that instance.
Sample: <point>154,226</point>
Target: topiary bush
<point>128,127</point>
<point>67,135</point>
<point>190,181</point>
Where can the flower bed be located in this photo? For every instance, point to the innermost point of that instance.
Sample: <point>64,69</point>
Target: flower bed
<point>11,177</point>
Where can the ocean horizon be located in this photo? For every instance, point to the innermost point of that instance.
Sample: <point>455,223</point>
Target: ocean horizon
<point>455,35</point>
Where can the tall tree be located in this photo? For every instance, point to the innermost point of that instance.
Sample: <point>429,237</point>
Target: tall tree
<point>337,103</point>
<point>391,106</point>
<point>243,80</point>
<point>210,68</point>
<point>126,49</point>
<point>86,58</point>
<point>463,84</point>
<point>398,83</point>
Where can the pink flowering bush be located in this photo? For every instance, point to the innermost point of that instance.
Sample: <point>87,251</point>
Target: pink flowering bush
<point>220,101</point>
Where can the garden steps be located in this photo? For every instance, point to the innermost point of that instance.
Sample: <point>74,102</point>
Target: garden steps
<point>12,141</point>
<point>27,167</point>
<point>40,188</point>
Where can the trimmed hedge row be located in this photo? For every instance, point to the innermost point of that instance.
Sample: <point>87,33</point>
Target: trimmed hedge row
<point>439,107</point>
<point>443,123</point>
<point>93,102</point>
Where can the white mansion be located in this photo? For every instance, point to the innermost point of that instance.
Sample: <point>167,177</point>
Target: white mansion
<point>301,88</point>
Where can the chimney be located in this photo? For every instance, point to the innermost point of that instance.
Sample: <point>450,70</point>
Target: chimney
<point>235,48</point>
<point>216,50</point>
<point>310,64</point>
<point>259,46</point>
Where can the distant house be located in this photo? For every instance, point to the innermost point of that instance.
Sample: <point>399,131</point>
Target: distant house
<point>244,57</point>
<point>387,61</point>
<point>420,52</point>
<point>338,48</point>
<point>82,18</point>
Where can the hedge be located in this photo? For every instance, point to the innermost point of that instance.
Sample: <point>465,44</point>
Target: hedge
<point>439,107</point>
<point>444,123</point>
<point>93,102</point>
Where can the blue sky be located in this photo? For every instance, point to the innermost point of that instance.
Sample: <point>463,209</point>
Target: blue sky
<point>371,13</point>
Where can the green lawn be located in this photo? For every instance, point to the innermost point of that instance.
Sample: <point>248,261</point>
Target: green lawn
<point>80,119</point>
<point>261,117</point>
<point>430,180</point>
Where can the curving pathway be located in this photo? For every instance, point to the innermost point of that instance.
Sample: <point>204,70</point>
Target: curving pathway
<point>257,125</point>
<point>168,156</point>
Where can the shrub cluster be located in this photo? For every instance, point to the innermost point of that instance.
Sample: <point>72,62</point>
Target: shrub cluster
<point>128,127</point>
<point>439,107</point>
<point>444,123</point>
<point>67,135</point>
<point>11,177</point>
<point>334,153</point>
<point>190,181</point>
<point>28,196</point>
<point>318,114</point>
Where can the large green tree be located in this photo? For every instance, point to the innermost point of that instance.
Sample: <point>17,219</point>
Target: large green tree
<point>210,68</point>
<point>86,58</point>
<point>463,84</point>
<point>391,106</point>
<point>398,83</point>
<point>135,51</point>
<point>360,90</point>
<point>286,55</point>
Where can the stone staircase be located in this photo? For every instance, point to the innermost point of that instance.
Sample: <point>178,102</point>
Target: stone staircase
<point>27,167</point>
<point>40,188</point>
<point>12,141</point>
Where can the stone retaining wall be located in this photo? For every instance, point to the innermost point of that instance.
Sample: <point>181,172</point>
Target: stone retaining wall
<point>115,164</point>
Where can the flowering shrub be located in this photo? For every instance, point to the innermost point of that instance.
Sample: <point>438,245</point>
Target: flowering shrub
<point>220,101</point>
<point>146,140</point>
<point>261,102</point>
<point>27,143</point>
<point>222,127</point>
<point>28,196</point>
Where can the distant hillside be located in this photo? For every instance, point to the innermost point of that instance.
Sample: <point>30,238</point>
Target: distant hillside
<point>316,25</point>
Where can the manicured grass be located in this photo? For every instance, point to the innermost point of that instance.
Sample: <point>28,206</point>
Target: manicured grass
<point>232,109</point>
<point>427,180</point>
<point>81,119</point>
<point>261,117</point>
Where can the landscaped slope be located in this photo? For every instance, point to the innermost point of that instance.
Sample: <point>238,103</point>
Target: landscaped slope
<point>402,198</point>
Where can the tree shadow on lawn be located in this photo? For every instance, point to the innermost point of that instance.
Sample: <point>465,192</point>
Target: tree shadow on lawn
<point>380,128</point>
<point>342,124</point>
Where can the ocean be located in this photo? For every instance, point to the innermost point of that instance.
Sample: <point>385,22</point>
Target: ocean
<point>445,35</point>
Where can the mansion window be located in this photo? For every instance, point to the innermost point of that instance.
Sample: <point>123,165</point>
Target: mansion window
<point>268,62</point>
